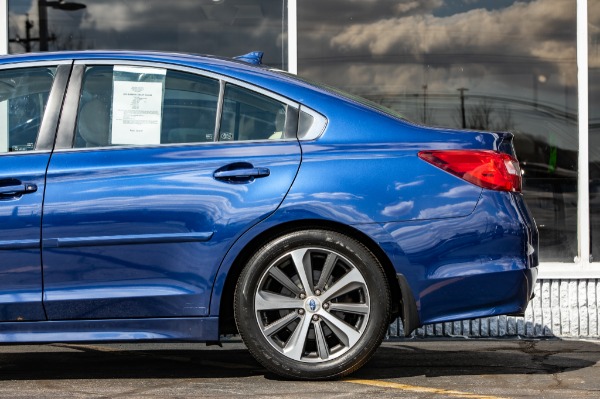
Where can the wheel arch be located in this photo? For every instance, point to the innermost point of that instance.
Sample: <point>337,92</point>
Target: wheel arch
<point>226,319</point>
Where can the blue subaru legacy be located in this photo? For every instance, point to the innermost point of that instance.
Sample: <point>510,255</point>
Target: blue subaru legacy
<point>171,197</point>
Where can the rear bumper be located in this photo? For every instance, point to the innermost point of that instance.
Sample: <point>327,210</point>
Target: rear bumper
<point>481,265</point>
<point>531,276</point>
<point>471,298</point>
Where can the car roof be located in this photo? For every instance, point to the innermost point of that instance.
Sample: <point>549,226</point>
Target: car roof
<point>150,56</point>
<point>258,74</point>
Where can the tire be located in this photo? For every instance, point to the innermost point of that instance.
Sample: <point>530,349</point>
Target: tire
<point>312,304</point>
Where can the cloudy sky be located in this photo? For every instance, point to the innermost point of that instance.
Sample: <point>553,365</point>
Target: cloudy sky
<point>225,27</point>
<point>498,46</point>
<point>363,45</point>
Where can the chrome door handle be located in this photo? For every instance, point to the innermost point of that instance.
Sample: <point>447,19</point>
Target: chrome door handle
<point>241,173</point>
<point>25,188</point>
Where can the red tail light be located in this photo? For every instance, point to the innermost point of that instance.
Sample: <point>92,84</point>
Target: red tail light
<point>487,169</point>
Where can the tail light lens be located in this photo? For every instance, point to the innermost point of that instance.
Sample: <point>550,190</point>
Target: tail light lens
<point>484,168</point>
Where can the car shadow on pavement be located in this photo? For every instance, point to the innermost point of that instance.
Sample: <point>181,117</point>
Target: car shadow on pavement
<point>396,359</point>
<point>108,362</point>
<point>451,357</point>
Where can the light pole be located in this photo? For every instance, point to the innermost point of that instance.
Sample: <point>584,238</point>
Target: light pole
<point>43,17</point>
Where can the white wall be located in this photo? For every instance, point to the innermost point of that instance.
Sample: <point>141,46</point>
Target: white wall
<point>561,308</point>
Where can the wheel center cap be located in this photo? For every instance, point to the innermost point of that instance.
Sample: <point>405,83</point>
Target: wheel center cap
<point>312,304</point>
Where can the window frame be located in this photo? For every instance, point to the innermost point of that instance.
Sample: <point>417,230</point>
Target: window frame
<point>291,115</point>
<point>45,139</point>
<point>582,266</point>
<point>66,130</point>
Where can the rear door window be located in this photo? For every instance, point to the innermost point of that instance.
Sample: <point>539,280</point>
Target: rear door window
<point>248,115</point>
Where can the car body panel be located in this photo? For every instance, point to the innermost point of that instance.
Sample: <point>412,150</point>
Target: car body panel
<point>20,218</point>
<point>376,183</point>
<point>150,329</point>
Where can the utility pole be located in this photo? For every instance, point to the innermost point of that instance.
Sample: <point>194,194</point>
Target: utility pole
<point>44,38</point>
<point>462,106</point>
<point>28,39</point>
<point>43,24</point>
<point>535,91</point>
<point>424,103</point>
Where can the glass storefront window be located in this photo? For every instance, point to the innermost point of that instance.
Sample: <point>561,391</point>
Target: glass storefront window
<point>502,65</point>
<point>594,123</point>
<point>220,27</point>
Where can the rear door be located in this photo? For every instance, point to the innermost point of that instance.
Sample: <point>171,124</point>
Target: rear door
<point>154,176</point>
<point>30,100</point>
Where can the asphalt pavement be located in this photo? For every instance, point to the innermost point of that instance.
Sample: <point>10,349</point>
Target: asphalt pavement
<point>414,368</point>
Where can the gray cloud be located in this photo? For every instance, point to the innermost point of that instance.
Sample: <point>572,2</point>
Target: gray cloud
<point>445,45</point>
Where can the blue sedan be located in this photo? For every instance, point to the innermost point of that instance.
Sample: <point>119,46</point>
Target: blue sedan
<point>170,197</point>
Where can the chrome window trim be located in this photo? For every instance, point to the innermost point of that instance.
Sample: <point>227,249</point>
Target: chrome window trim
<point>23,153</point>
<point>33,64</point>
<point>175,145</point>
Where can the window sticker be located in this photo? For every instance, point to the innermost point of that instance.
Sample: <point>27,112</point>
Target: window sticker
<point>137,104</point>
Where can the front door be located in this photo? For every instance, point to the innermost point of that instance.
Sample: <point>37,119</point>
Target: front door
<point>26,137</point>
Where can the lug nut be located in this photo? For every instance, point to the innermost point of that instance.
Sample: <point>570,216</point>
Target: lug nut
<point>326,306</point>
<point>315,317</point>
<point>317,292</point>
<point>303,296</point>
<point>301,311</point>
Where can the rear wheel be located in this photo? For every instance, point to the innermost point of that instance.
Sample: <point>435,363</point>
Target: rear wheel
<point>312,304</point>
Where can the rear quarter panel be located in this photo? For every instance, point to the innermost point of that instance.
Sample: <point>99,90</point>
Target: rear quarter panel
<point>365,169</point>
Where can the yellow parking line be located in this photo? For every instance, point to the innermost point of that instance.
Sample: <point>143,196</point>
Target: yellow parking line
<point>418,389</point>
